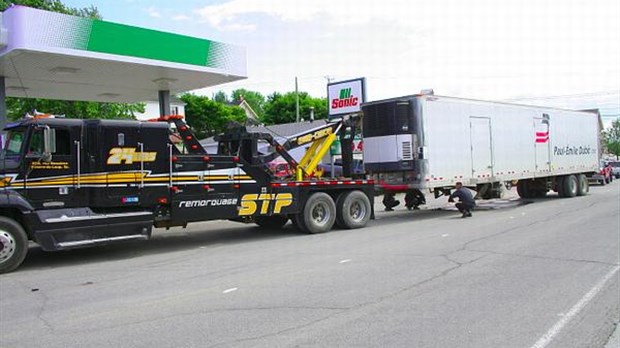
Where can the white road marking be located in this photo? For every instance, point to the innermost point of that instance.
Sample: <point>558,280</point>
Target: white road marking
<point>345,261</point>
<point>555,329</point>
<point>229,290</point>
<point>445,235</point>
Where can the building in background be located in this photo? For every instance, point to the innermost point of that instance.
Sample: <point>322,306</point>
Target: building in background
<point>151,109</point>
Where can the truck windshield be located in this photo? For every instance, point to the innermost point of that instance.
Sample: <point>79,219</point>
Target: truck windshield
<point>14,141</point>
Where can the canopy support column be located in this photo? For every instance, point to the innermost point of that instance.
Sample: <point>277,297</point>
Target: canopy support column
<point>164,102</point>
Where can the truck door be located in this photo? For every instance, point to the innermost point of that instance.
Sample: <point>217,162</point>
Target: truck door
<point>481,148</point>
<point>122,171</point>
<point>542,143</point>
<point>54,183</point>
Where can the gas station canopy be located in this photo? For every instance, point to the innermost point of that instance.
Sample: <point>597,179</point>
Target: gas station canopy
<point>57,56</point>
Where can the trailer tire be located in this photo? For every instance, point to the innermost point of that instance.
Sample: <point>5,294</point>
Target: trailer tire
<point>13,244</point>
<point>540,193</point>
<point>583,185</point>
<point>352,210</point>
<point>318,215</point>
<point>274,221</point>
<point>569,186</point>
<point>524,189</point>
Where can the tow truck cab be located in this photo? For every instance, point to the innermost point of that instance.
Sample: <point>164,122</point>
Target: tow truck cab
<point>73,183</point>
<point>75,163</point>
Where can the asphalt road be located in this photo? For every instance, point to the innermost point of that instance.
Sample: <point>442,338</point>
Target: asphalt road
<point>543,274</point>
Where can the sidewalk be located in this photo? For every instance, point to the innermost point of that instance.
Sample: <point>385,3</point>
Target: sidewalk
<point>614,340</point>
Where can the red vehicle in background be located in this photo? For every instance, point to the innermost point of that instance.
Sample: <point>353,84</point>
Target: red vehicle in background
<point>605,174</point>
<point>280,169</point>
<point>615,168</point>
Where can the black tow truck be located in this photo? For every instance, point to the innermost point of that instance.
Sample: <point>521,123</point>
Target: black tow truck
<point>72,183</point>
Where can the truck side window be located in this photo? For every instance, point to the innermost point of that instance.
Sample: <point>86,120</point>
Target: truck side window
<point>63,142</point>
<point>36,143</point>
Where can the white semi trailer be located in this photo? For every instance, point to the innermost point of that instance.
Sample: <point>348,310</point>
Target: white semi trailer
<point>431,142</point>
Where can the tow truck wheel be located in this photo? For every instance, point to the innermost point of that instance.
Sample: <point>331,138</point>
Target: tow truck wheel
<point>352,210</point>
<point>13,245</point>
<point>319,214</point>
<point>274,221</point>
<point>298,221</point>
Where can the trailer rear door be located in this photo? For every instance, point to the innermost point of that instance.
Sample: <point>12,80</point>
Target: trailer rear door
<point>481,151</point>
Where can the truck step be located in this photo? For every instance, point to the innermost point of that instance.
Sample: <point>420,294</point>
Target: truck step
<point>71,228</point>
<point>90,242</point>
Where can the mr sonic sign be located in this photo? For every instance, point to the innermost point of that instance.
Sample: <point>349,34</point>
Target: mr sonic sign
<point>345,97</point>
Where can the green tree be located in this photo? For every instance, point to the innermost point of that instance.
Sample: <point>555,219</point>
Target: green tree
<point>221,97</point>
<point>254,99</point>
<point>280,108</point>
<point>612,138</point>
<point>53,6</point>
<point>208,117</point>
<point>18,107</point>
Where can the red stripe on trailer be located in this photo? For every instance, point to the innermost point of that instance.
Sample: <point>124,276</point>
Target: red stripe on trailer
<point>323,183</point>
<point>394,187</point>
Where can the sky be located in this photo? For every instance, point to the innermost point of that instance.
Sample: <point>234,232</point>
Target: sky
<point>541,52</point>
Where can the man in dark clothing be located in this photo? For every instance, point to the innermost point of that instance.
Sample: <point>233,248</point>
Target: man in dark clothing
<point>414,198</point>
<point>389,201</point>
<point>466,200</point>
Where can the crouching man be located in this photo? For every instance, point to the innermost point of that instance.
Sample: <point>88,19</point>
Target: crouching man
<point>466,201</point>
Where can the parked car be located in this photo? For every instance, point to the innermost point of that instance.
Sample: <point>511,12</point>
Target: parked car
<point>615,168</point>
<point>280,169</point>
<point>604,176</point>
<point>358,167</point>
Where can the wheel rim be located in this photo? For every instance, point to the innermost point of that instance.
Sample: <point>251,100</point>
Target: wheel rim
<point>7,246</point>
<point>321,214</point>
<point>357,211</point>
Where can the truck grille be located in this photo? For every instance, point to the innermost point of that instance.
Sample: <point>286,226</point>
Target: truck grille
<point>407,150</point>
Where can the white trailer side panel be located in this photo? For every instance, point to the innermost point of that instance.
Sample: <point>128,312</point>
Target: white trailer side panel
<point>479,142</point>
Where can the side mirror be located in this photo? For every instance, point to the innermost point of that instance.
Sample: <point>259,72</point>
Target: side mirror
<point>49,139</point>
<point>49,144</point>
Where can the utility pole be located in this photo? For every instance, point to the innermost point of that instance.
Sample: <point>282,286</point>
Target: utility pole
<point>296,101</point>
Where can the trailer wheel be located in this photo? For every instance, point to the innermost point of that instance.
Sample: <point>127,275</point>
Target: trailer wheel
<point>318,215</point>
<point>523,189</point>
<point>540,193</point>
<point>274,221</point>
<point>569,186</point>
<point>352,210</point>
<point>13,245</point>
<point>583,187</point>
